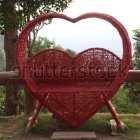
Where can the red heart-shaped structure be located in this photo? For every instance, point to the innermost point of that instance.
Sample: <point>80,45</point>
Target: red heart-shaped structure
<point>73,88</point>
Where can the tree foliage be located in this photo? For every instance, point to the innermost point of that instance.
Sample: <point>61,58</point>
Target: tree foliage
<point>14,15</point>
<point>134,88</point>
<point>71,52</point>
<point>43,43</point>
<point>24,10</point>
<point>136,57</point>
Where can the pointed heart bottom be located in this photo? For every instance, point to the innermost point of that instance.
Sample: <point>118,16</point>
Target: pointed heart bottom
<point>73,100</point>
<point>75,108</point>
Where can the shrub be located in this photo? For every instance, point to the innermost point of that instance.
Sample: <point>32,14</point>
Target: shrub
<point>2,106</point>
<point>123,103</point>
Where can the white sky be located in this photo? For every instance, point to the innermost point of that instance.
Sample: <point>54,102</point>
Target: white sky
<point>94,32</point>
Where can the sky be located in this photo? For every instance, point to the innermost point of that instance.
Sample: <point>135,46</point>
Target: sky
<point>94,33</point>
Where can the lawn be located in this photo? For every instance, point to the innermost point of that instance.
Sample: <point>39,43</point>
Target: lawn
<point>14,126</point>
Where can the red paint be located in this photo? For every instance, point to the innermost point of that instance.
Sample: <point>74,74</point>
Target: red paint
<point>72,93</point>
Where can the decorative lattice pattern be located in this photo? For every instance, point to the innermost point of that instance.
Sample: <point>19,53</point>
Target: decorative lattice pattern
<point>73,88</point>
<point>91,68</point>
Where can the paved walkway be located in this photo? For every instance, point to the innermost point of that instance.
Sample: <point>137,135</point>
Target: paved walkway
<point>73,135</point>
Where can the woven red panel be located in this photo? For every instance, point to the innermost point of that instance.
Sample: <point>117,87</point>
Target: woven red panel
<point>73,88</point>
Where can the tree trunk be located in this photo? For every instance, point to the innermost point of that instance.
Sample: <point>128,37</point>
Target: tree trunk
<point>12,95</point>
<point>29,103</point>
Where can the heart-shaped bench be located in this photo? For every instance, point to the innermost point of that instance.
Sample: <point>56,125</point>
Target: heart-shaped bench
<point>73,88</point>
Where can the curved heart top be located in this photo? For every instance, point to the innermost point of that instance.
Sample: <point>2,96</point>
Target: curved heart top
<point>73,88</point>
<point>92,68</point>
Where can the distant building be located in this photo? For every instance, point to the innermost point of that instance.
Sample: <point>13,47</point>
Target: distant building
<point>2,54</point>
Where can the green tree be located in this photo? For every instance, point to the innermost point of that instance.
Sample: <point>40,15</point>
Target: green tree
<point>14,14</point>
<point>134,88</point>
<point>42,43</point>
<point>136,57</point>
<point>71,52</point>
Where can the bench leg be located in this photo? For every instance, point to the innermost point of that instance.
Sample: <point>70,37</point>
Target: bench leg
<point>32,120</point>
<point>114,114</point>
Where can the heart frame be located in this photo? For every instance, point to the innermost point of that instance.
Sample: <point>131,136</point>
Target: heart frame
<point>22,62</point>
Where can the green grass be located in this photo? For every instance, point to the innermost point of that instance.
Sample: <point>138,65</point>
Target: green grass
<point>4,138</point>
<point>47,124</point>
<point>99,123</point>
<point>132,126</point>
